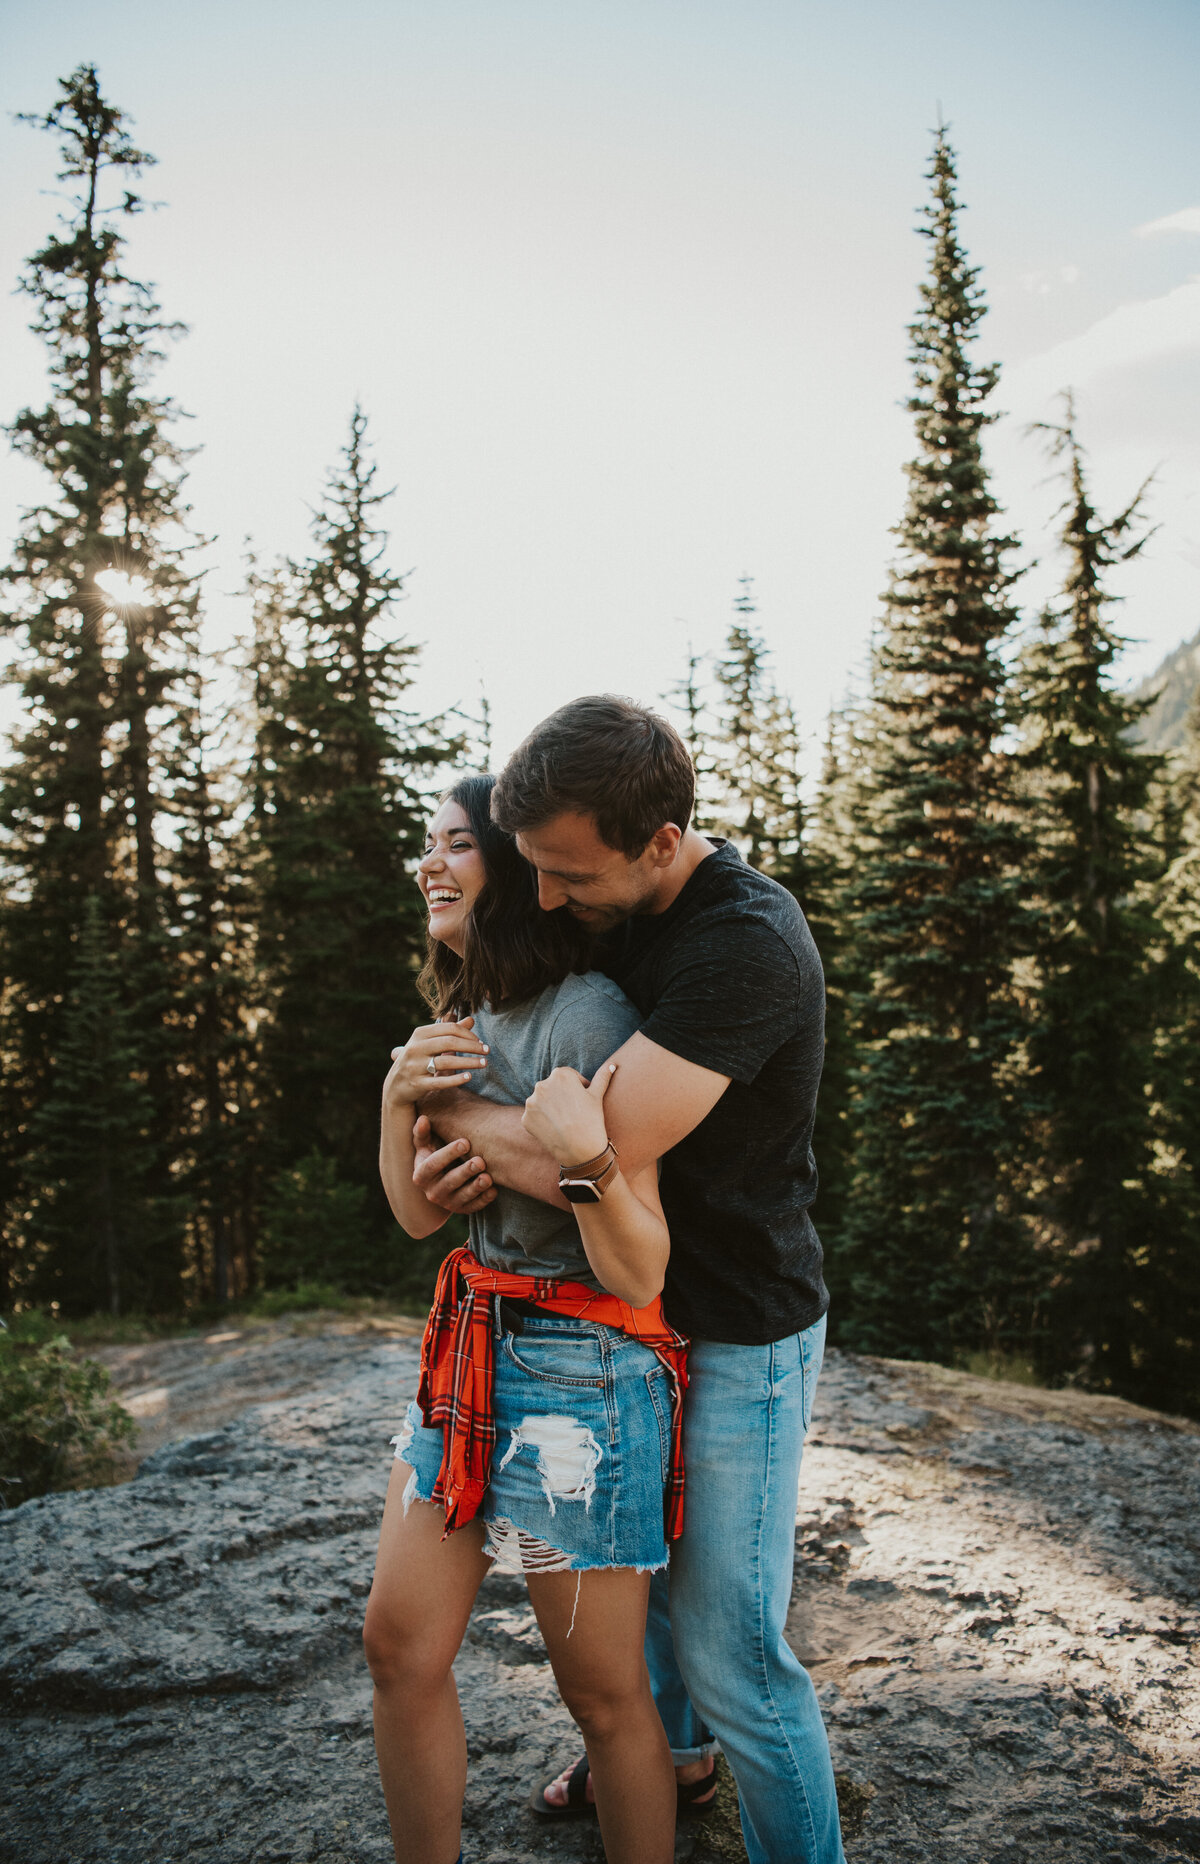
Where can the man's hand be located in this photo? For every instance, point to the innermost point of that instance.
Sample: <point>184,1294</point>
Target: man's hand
<point>448,1175</point>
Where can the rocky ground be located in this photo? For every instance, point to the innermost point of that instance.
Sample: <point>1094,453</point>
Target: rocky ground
<point>995,1590</point>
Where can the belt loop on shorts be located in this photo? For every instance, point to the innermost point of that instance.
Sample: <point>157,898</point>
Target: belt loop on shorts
<point>509,1318</point>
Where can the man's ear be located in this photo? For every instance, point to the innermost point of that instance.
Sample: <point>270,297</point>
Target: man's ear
<point>664,845</point>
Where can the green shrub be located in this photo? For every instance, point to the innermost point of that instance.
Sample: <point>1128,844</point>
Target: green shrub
<point>131,1329</point>
<point>302,1299</point>
<point>59,1428</point>
<point>32,1327</point>
<point>1006,1368</point>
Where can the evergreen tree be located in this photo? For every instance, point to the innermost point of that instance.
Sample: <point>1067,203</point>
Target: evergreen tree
<point>835,834</point>
<point>742,690</point>
<point>15,1102</point>
<point>475,746</point>
<point>1093,1033</point>
<point>93,1158</point>
<point>686,697</point>
<point>99,600</point>
<point>755,755</point>
<point>215,1007</point>
<point>342,780</point>
<point>785,848</point>
<point>1174,1254</point>
<point>314,1224</point>
<point>928,1243</point>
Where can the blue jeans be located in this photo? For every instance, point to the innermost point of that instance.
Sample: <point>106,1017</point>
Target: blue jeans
<point>719,1665</point>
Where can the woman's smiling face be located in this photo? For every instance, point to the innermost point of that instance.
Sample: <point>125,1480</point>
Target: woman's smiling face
<point>450,874</point>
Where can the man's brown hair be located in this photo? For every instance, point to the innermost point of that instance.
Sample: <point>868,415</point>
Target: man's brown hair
<point>602,757</point>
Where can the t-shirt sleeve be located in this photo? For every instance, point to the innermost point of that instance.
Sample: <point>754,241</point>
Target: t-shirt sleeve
<point>587,1028</point>
<point>735,994</point>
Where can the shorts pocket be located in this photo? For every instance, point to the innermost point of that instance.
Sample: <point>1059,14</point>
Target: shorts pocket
<point>556,1359</point>
<point>658,1384</point>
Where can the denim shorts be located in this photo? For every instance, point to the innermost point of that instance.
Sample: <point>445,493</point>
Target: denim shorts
<point>583,1445</point>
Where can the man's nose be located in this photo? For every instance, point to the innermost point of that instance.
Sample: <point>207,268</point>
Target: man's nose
<point>550,894</point>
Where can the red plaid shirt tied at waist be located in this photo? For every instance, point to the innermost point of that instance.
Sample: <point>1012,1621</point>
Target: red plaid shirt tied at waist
<point>458,1360</point>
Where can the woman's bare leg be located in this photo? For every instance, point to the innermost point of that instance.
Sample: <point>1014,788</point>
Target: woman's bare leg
<point>600,1669</point>
<point>420,1601</point>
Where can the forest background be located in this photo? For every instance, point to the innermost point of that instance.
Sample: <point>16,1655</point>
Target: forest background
<point>210,934</point>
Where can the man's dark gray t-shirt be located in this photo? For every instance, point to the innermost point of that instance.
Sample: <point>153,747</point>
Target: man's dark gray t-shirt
<point>729,977</point>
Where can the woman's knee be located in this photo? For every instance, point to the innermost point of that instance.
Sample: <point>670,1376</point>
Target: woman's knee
<point>601,1707</point>
<point>401,1654</point>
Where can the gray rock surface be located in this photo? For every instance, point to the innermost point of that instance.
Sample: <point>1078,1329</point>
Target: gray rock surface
<point>995,1590</point>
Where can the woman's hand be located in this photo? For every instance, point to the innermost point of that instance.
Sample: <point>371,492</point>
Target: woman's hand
<point>454,1050</point>
<point>566,1116</point>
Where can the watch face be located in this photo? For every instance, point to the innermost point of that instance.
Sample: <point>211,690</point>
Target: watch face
<point>580,1191</point>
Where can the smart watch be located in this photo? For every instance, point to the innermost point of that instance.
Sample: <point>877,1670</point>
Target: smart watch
<point>587,1183</point>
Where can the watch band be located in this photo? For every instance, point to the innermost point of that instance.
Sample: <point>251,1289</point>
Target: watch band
<point>586,1180</point>
<point>590,1167</point>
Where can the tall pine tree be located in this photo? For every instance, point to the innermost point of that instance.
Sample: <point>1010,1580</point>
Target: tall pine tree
<point>1104,1219</point>
<point>754,765</point>
<point>836,832</point>
<point>90,1159</point>
<point>342,780</point>
<point>927,1241</point>
<point>1174,1254</point>
<point>99,601</point>
<point>686,697</point>
<point>215,1010</point>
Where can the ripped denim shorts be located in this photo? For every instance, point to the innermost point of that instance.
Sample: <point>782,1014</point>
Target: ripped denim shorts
<point>583,1443</point>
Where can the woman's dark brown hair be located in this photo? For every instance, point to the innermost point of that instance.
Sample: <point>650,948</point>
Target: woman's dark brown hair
<point>513,950</point>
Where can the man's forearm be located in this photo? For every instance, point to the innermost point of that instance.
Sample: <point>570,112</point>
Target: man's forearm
<point>514,1159</point>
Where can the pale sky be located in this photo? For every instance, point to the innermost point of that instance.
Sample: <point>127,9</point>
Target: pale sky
<point>623,288</point>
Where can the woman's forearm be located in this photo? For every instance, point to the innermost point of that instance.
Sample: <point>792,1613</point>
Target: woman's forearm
<point>626,1241</point>
<point>437,1056</point>
<point>410,1207</point>
<point>624,1234</point>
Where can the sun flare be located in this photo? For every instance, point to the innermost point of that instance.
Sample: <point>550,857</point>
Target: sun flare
<point>124,590</point>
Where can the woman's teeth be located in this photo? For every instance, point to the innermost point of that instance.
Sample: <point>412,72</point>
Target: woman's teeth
<point>441,896</point>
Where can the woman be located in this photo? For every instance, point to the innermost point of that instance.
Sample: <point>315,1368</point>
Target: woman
<point>549,1328</point>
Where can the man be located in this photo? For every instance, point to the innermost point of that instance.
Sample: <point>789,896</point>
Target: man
<point>720,1083</point>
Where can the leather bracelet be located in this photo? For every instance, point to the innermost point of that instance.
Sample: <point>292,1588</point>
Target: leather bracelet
<point>591,1168</point>
<point>604,1178</point>
<point>589,1188</point>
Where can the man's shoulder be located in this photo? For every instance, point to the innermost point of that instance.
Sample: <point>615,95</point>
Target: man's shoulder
<point>731,877</point>
<point>738,903</point>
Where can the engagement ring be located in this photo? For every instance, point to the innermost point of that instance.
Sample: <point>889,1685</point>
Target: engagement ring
<point>431,1065</point>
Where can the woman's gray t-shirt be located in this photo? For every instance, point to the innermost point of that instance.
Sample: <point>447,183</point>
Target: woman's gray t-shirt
<point>576,1024</point>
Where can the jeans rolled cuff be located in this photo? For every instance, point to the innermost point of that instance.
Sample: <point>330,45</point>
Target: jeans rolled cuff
<point>680,1757</point>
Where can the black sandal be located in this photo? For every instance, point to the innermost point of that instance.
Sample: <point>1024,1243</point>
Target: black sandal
<point>687,1796</point>
<point>579,1806</point>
